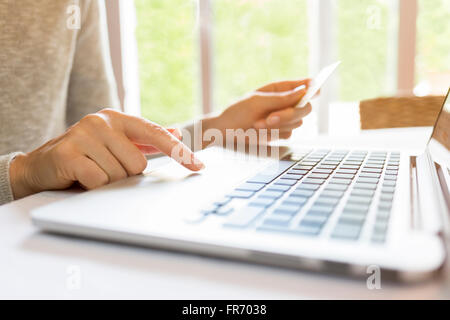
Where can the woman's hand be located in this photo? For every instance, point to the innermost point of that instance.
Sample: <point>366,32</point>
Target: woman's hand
<point>101,148</point>
<point>270,107</point>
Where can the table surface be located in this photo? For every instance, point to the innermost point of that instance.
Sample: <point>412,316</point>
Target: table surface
<point>38,265</point>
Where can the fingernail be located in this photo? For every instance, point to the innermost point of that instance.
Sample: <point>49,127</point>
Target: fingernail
<point>178,133</point>
<point>197,163</point>
<point>273,120</point>
<point>301,87</point>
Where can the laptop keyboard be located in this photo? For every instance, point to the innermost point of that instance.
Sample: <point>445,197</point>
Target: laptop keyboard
<point>332,193</point>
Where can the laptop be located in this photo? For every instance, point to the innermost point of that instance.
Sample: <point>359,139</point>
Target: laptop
<point>321,209</point>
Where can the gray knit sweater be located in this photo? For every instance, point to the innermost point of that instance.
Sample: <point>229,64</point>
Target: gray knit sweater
<point>51,74</point>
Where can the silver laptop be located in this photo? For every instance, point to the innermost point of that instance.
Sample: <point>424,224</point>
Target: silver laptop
<point>321,209</point>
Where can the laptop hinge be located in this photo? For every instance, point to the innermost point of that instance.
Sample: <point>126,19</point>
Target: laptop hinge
<point>430,201</point>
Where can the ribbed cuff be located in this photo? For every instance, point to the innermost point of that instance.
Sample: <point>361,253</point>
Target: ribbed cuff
<point>6,194</point>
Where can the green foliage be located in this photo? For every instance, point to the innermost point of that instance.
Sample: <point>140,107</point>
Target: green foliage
<point>259,41</point>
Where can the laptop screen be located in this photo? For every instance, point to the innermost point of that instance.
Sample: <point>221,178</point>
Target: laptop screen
<point>439,144</point>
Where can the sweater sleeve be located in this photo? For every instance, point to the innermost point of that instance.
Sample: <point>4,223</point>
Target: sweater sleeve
<point>92,86</point>
<point>6,194</point>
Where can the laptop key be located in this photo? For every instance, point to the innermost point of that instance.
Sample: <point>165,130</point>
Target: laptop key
<point>314,220</point>
<point>362,192</point>
<point>373,166</point>
<point>243,217</point>
<point>307,230</point>
<point>338,187</point>
<point>340,181</point>
<point>251,186</point>
<point>359,199</point>
<point>292,176</point>
<point>346,231</point>
<point>351,171</point>
<point>330,162</point>
<point>303,167</point>
<point>369,186</point>
<point>387,189</point>
<point>327,201</point>
<point>352,219</point>
<point>318,209</point>
<point>384,205</point>
<point>288,208</point>
<point>352,162</point>
<point>344,176</point>
<point>351,167</point>
<point>356,208</point>
<point>318,176</point>
<point>302,193</point>
<point>390,177</point>
<point>326,166</point>
<point>387,196</point>
<point>332,193</point>
<point>392,167</point>
<point>286,182</point>
<point>241,194</point>
<point>383,214</point>
<point>282,188</point>
<point>262,202</point>
<point>370,175</point>
<point>284,212</point>
<point>277,220</point>
<point>304,186</point>
<point>271,194</point>
<point>295,200</point>
<point>389,183</point>
<point>367,180</point>
<point>368,169</point>
<point>326,171</point>
<point>313,181</point>
<point>272,172</point>
<point>296,171</point>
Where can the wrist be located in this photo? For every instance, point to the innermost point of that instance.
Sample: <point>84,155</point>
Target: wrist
<point>20,184</point>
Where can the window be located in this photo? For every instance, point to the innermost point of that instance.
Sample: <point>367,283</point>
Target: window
<point>255,42</point>
<point>433,47</point>
<point>363,43</point>
<point>168,69</point>
<point>252,42</point>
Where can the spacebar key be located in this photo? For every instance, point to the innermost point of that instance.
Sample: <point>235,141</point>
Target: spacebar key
<point>272,172</point>
<point>244,217</point>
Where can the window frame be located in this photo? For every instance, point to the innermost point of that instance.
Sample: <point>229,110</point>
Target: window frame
<point>121,17</point>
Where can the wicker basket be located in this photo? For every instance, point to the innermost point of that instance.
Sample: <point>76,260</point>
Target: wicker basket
<point>399,112</point>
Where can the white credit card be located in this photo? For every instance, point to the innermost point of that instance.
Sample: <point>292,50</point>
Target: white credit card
<point>317,82</point>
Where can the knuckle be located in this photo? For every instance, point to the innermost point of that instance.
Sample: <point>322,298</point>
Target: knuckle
<point>109,112</point>
<point>94,120</point>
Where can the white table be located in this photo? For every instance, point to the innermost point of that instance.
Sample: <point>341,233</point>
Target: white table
<point>37,265</point>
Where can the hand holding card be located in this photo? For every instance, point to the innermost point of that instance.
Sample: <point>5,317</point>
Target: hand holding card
<point>317,82</point>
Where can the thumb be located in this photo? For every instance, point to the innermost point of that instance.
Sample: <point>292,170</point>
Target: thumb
<point>272,101</point>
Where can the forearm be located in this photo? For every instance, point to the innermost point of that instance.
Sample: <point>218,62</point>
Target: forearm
<point>6,191</point>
